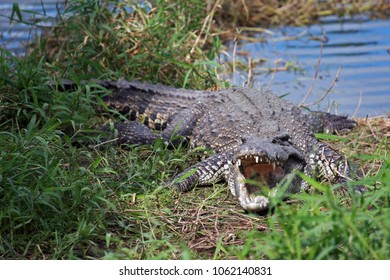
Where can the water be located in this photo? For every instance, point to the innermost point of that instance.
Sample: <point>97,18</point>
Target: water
<point>360,45</point>
<point>15,35</point>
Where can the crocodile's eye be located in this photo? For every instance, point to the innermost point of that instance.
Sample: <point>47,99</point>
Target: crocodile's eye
<point>283,140</point>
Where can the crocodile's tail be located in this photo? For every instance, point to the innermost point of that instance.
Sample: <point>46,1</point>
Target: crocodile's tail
<point>320,122</point>
<point>150,104</point>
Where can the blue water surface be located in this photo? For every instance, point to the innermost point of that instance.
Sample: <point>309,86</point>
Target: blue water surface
<point>36,15</point>
<point>360,46</point>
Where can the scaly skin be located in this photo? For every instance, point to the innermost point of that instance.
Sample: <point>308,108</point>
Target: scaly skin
<point>258,138</point>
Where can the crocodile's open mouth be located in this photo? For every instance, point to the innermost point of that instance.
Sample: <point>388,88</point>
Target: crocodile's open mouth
<point>260,171</point>
<point>257,179</point>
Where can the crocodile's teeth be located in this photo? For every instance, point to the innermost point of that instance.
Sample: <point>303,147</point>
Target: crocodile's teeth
<point>257,159</point>
<point>273,166</point>
<point>239,162</point>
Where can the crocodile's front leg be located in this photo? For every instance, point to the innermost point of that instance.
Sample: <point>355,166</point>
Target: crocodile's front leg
<point>206,172</point>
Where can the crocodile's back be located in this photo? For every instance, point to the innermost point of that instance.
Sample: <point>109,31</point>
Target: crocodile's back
<point>219,119</point>
<point>238,113</point>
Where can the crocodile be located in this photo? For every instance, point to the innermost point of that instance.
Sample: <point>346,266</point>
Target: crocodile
<point>260,142</point>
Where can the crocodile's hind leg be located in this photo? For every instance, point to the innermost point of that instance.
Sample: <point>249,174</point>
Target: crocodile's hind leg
<point>129,133</point>
<point>136,133</point>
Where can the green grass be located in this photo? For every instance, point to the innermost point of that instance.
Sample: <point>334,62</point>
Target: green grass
<point>60,199</point>
<point>160,44</point>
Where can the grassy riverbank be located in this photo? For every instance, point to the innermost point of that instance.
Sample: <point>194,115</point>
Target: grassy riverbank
<point>63,200</point>
<point>236,13</point>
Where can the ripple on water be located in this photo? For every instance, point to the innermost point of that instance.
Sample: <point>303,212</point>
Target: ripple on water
<point>360,45</point>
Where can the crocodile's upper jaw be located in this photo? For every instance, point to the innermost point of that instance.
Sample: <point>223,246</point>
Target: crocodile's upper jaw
<point>258,167</point>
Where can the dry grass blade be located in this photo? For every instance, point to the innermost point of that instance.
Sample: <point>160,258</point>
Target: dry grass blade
<point>358,105</point>
<point>326,92</point>
<point>203,228</point>
<point>310,90</point>
<point>234,60</point>
<point>206,26</point>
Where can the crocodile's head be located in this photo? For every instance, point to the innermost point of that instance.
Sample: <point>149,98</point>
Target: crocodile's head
<point>259,166</point>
